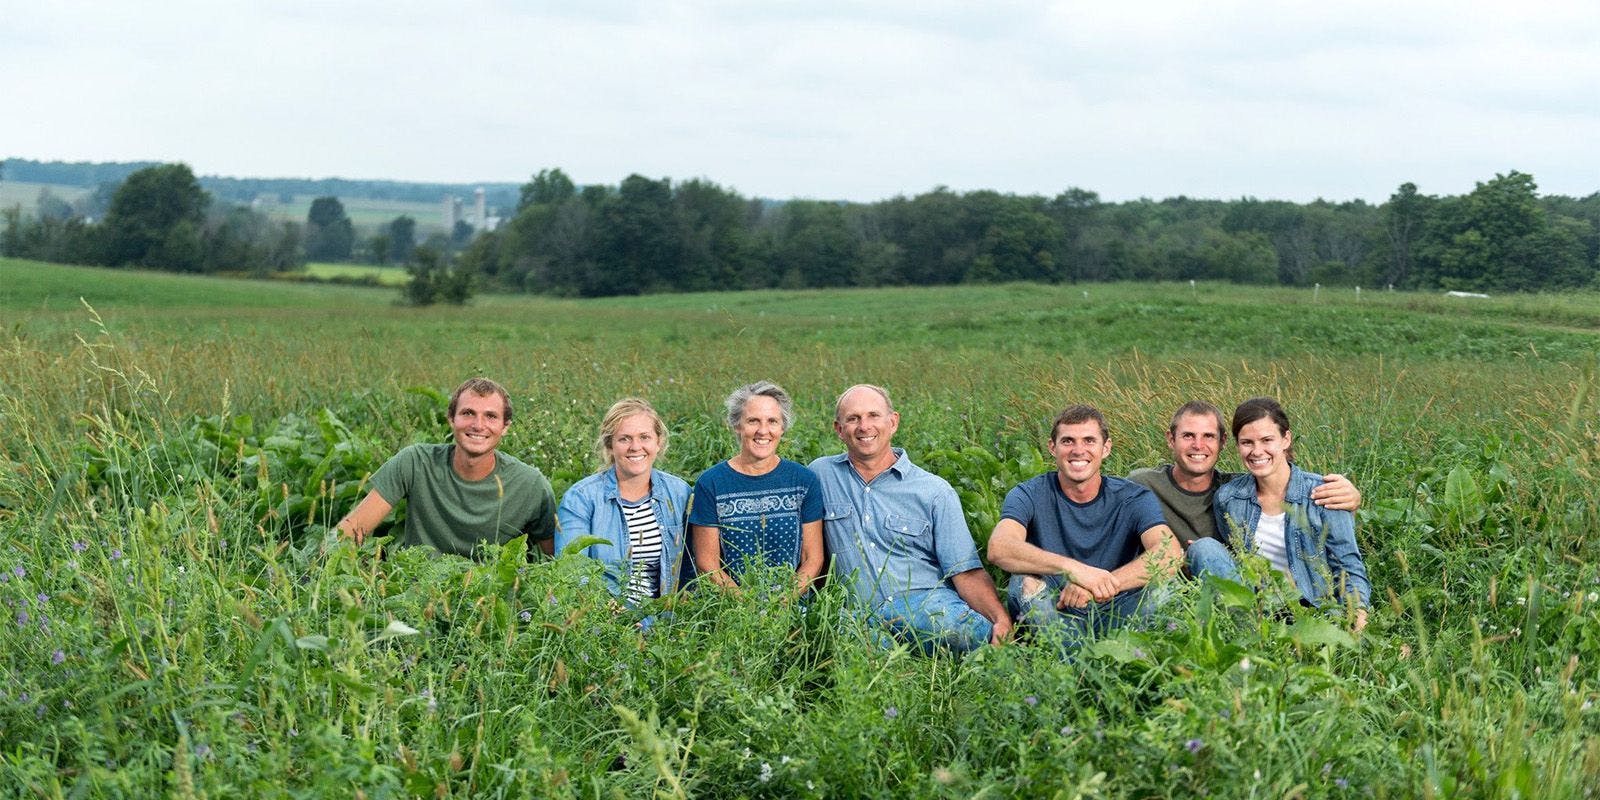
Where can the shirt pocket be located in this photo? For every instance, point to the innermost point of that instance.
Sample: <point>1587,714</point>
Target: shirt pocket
<point>907,527</point>
<point>839,515</point>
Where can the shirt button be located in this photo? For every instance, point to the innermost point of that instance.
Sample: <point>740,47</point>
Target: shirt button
<point>867,518</point>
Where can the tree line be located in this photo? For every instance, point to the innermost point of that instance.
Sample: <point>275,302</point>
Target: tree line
<point>650,235</point>
<point>157,218</point>
<point>647,235</point>
<point>90,175</point>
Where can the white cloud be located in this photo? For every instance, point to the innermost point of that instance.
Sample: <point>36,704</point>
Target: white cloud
<point>853,100</point>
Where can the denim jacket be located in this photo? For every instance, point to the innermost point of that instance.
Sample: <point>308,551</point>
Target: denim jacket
<point>591,507</point>
<point>1321,542</point>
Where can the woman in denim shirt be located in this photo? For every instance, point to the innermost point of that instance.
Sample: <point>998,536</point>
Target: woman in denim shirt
<point>638,509</point>
<point>1271,508</point>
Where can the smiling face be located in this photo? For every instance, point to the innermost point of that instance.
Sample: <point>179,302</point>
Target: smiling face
<point>1078,449</point>
<point>1264,448</point>
<point>760,428</point>
<point>866,425</point>
<point>634,446</point>
<point>478,423</point>
<point>1196,442</point>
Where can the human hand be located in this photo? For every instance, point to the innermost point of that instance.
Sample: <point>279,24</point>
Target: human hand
<point>1336,492</point>
<point>1002,630</point>
<point>1099,583</point>
<point>1074,596</point>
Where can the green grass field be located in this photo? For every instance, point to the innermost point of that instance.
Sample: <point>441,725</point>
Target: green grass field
<point>179,619</point>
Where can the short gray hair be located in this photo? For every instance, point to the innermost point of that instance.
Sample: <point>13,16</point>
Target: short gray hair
<point>744,394</point>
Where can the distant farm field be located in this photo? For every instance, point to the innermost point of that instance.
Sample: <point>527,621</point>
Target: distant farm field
<point>180,620</point>
<point>367,215</point>
<point>26,195</point>
<point>385,276</point>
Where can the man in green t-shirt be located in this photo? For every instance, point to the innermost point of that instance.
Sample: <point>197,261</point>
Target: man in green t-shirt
<point>1185,486</point>
<point>466,493</point>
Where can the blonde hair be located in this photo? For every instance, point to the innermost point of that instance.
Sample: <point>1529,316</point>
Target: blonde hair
<point>619,411</point>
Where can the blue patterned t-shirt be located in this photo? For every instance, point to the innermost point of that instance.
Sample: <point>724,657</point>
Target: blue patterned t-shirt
<point>757,516</point>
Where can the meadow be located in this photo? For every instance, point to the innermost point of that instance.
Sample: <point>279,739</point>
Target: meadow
<point>180,618</point>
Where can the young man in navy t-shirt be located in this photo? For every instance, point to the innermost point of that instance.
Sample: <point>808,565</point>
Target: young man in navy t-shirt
<point>1081,546</point>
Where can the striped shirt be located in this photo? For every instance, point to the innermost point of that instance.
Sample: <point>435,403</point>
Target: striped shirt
<point>644,548</point>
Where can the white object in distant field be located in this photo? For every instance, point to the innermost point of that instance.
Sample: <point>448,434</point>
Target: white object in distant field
<point>1467,294</point>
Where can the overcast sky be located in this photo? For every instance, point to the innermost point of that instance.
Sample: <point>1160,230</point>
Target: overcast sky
<point>829,100</point>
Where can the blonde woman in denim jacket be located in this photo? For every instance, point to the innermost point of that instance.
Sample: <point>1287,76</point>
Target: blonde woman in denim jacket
<point>638,509</point>
<point>1271,508</point>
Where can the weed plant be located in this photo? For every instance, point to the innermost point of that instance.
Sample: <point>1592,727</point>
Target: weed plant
<point>181,619</point>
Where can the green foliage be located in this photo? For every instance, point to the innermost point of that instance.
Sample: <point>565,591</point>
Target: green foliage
<point>330,236</point>
<point>172,463</point>
<point>155,220</point>
<point>433,280</point>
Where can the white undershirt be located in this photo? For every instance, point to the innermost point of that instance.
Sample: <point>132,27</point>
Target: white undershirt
<point>1269,542</point>
<point>644,547</point>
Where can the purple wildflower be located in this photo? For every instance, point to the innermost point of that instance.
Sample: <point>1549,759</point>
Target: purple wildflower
<point>891,712</point>
<point>79,546</point>
<point>22,618</point>
<point>1193,745</point>
<point>57,657</point>
<point>19,571</point>
<point>43,598</point>
<point>1341,783</point>
<point>527,616</point>
<point>202,751</point>
<point>116,553</point>
<point>1172,626</point>
<point>1031,700</point>
<point>5,577</point>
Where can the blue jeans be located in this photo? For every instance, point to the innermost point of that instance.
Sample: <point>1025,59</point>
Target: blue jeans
<point>932,619</point>
<point>1037,609</point>
<point>1209,556</point>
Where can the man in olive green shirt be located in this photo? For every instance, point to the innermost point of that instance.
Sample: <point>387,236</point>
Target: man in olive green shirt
<point>464,494</point>
<point>1186,486</point>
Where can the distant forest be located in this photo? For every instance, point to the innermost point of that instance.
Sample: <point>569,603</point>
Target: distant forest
<point>654,235</point>
<point>243,190</point>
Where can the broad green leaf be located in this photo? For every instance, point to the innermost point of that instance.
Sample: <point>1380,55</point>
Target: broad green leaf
<point>1318,631</point>
<point>318,643</point>
<point>1462,495</point>
<point>582,542</point>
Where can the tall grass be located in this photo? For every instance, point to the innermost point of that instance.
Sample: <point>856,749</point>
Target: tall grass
<point>180,619</point>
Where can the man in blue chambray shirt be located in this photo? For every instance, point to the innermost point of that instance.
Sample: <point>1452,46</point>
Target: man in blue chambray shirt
<point>897,536</point>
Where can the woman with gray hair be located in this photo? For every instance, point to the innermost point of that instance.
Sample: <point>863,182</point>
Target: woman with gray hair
<point>756,507</point>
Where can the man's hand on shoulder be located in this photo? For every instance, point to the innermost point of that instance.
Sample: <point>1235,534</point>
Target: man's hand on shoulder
<point>1336,493</point>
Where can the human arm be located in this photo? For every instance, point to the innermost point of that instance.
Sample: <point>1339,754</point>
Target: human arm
<point>1336,492</point>
<point>1009,550</point>
<point>1346,568</point>
<point>812,556</point>
<point>977,590</point>
<point>362,519</point>
<point>706,542</point>
<point>542,527</point>
<point>574,518</point>
<point>1162,556</point>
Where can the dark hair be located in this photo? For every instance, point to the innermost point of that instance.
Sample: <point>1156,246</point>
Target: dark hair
<point>482,387</point>
<point>1199,408</point>
<point>1078,414</point>
<point>1258,408</point>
